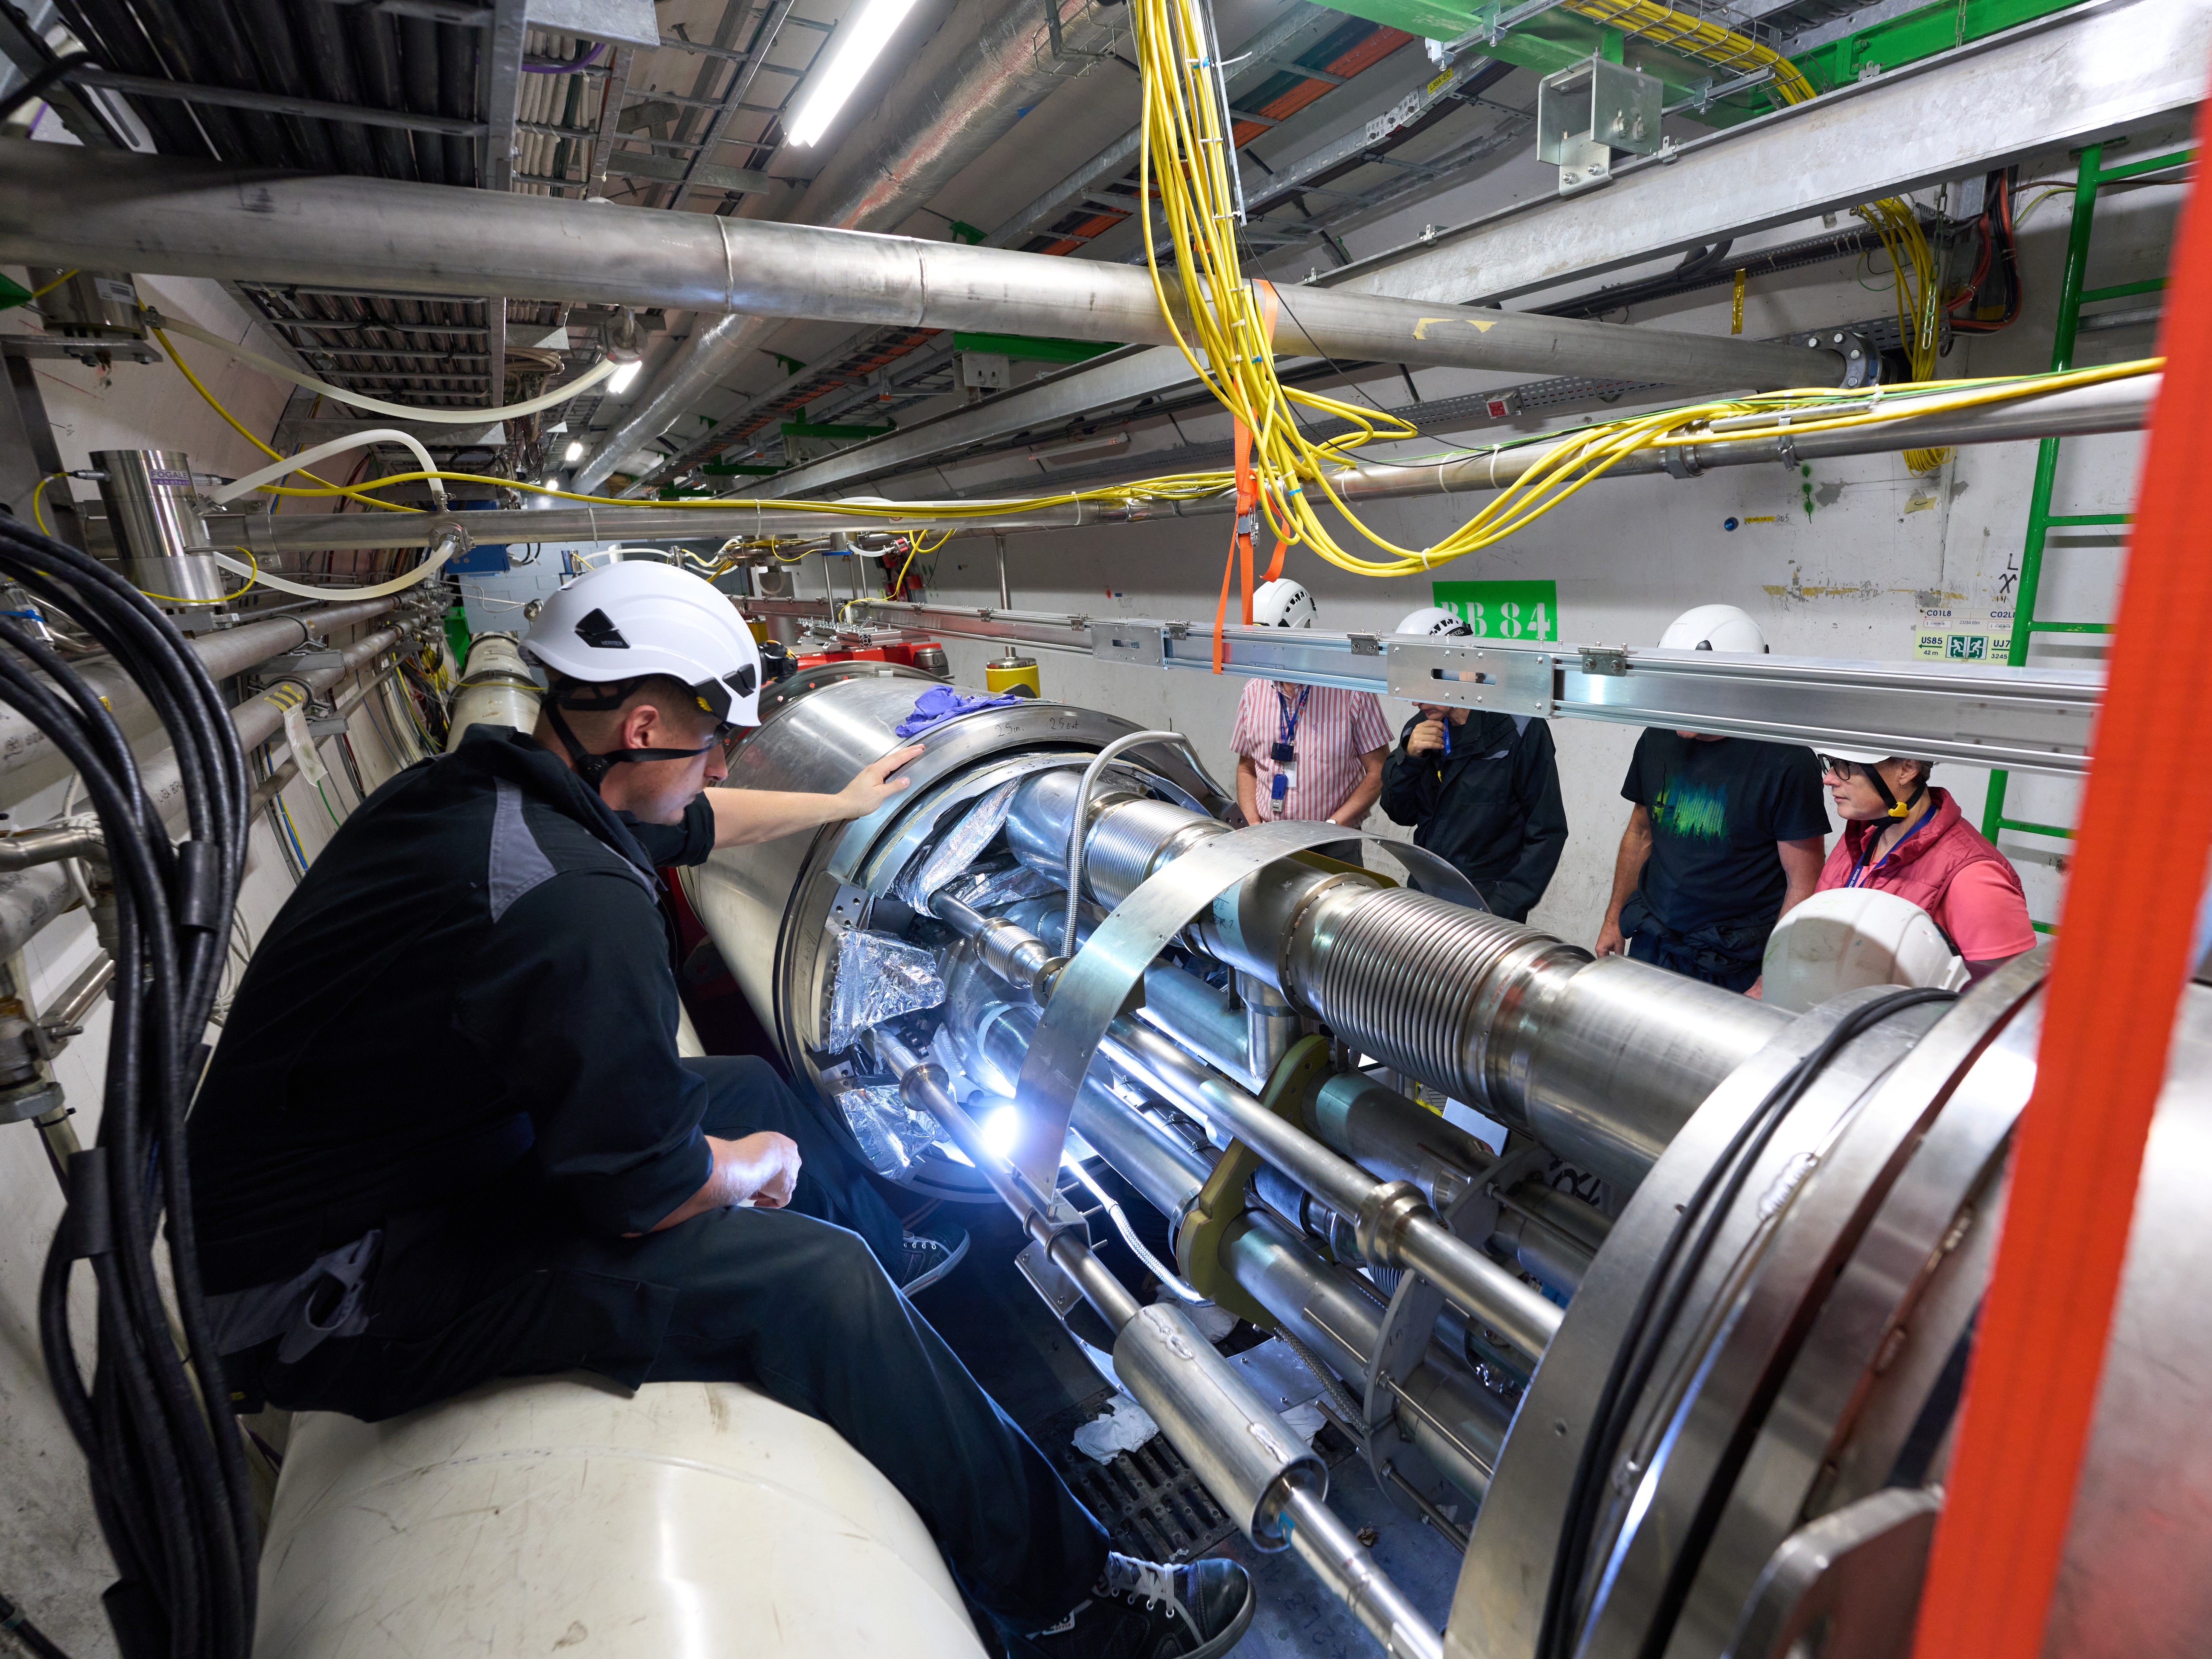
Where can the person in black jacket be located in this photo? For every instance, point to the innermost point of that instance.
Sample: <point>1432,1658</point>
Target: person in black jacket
<point>1479,789</point>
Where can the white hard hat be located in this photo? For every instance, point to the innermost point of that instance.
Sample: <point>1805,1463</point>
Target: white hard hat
<point>1433,619</point>
<point>1713,628</point>
<point>1864,757</point>
<point>628,620</point>
<point>1283,603</point>
<point>1847,937</point>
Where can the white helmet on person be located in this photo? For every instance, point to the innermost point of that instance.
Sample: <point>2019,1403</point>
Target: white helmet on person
<point>1434,620</point>
<point>628,622</point>
<point>1283,603</point>
<point>1713,628</point>
<point>1848,937</point>
<point>1867,760</point>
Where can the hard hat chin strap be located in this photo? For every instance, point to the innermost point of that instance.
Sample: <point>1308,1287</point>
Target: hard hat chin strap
<point>593,769</point>
<point>1898,809</point>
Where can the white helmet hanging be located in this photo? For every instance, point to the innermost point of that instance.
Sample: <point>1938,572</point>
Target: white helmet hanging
<point>1283,603</point>
<point>1434,619</point>
<point>1847,937</point>
<point>628,620</point>
<point>1713,628</point>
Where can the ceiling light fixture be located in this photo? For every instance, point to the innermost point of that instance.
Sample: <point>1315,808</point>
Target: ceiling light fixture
<point>865,38</point>
<point>574,452</point>
<point>625,377</point>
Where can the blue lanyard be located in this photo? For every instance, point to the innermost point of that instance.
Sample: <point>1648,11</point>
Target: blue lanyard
<point>1290,716</point>
<point>1860,869</point>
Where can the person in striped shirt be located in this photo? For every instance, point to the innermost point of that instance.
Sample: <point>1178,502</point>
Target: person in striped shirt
<point>1305,751</point>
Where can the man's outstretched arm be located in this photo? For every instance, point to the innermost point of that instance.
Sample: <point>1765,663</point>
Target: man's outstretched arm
<point>743,816</point>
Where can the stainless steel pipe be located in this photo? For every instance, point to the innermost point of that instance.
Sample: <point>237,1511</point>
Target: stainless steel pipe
<point>29,758</point>
<point>2118,406</point>
<point>61,205</point>
<point>1601,1061</point>
<point>1341,1561</point>
<point>955,103</point>
<point>1397,1229</point>
<point>153,513</point>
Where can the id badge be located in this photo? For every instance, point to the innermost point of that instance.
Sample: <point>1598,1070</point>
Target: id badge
<point>1286,779</point>
<point>1285,754</point>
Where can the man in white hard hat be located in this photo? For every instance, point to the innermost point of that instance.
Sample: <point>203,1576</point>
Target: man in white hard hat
<point>1725,836</point>
<point>1305,751</point>
<point>1479,788</point>
<point>447,1137</point>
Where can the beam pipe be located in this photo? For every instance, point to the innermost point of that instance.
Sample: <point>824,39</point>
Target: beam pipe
<point>175,216</point>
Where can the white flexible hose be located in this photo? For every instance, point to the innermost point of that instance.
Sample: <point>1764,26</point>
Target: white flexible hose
<point>377,405</point>
<point>441,551</point>
<point>279,470</point>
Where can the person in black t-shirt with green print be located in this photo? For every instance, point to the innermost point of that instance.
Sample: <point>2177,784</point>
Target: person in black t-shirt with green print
<point>1727,835</point>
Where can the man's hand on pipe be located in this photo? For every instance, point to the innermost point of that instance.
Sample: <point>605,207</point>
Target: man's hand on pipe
<point>875,784</point>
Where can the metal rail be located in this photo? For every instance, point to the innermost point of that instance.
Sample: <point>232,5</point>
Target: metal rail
<point>2034,720</point>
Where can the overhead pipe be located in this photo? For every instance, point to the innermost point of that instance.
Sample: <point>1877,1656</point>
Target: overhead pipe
<point>173,216</point>
<point>943,116</point>
<point>29,759</point>
<point>30,898</point>
<point>2115,406</point>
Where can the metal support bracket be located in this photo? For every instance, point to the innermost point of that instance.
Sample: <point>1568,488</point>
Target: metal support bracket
<point>1469,676</point>
<point>1138,642</point>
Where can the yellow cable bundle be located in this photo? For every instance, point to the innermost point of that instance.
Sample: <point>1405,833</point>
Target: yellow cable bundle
<point>1919,297</point>
<point>1663,25</point>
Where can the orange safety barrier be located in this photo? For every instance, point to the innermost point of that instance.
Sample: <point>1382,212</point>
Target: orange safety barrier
<point>2121,962</point>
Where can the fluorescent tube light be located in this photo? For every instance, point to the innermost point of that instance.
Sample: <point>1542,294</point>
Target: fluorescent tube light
<point>625,377</point>
<point>866,33</point>
<point>574,452</point>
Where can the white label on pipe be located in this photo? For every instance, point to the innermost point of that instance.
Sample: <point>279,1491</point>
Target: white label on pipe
<point>303,744</point>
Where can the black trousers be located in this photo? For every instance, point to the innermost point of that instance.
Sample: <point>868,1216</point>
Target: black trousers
<point>795,1301</point>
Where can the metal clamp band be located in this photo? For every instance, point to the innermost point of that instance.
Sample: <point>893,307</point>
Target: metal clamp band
<point>1097,984</point>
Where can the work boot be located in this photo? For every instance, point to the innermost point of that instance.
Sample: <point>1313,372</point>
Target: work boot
<point>1154,1610</point>
<point>931,1253</point>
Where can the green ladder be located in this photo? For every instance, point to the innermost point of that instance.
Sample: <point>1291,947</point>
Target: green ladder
<point>2092,175</point>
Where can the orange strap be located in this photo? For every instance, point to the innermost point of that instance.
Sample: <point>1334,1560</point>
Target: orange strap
<point>1247,506</point>
<point>2121,963</point>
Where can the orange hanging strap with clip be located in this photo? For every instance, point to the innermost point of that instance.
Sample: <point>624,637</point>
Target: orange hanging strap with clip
<point>1248,506</point>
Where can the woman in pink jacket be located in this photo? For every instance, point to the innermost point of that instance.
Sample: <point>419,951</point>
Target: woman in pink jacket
<point>1901,836</point>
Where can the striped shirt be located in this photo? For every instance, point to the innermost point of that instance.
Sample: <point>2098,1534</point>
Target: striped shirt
<point>1335,730</point>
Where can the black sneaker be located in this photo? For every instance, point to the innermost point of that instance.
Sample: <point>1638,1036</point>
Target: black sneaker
<point>932,1253</point>
<point>1153,1610</point>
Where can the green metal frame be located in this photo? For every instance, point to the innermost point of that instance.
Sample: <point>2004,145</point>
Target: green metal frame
<point>1030,348</point>
<point>1557,39</point>
<point>2091,176</point>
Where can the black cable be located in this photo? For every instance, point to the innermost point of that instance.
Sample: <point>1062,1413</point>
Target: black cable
<point>1676,1267</point>
<point>17,1624</point>
<point>166,1469</point>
